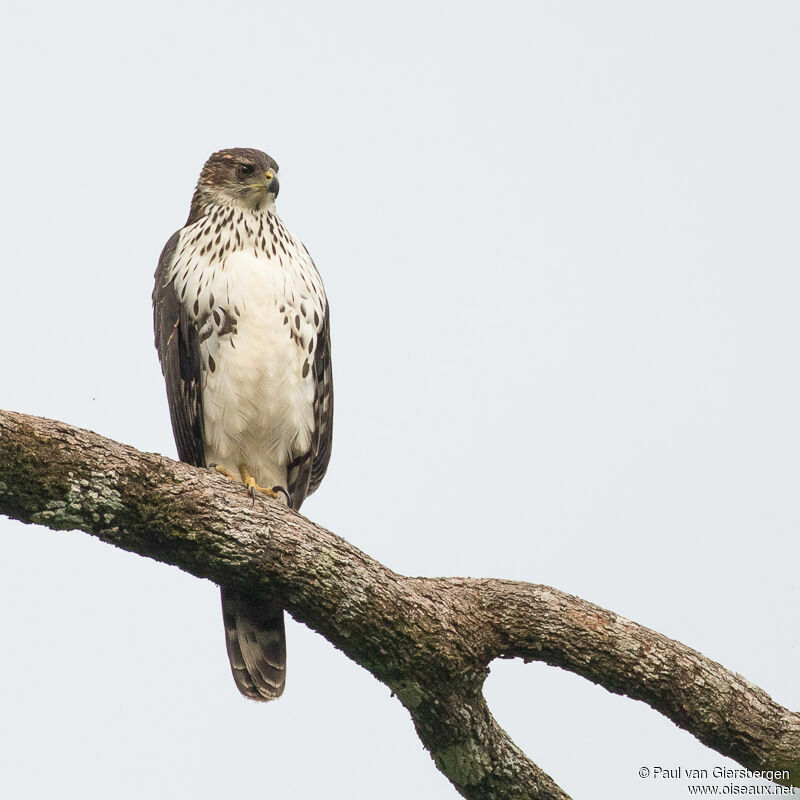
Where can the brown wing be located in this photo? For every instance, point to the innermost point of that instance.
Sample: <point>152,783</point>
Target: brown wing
<point>306,471</point>
<point>323,406</point>
<point>179,353</point>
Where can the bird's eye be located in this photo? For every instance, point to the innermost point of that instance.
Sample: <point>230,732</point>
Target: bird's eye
<point>246,169</point>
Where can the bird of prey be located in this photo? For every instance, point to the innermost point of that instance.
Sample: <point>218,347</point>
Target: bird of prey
<point>242,332</point>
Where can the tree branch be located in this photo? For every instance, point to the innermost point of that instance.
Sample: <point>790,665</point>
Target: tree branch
<point>429,640</point>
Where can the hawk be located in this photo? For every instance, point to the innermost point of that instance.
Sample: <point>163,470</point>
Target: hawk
<point>242,332</point>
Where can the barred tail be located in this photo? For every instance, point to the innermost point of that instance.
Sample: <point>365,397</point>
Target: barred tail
<point>256,640</point>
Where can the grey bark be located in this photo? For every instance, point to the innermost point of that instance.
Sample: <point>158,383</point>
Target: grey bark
<point>430,640</point>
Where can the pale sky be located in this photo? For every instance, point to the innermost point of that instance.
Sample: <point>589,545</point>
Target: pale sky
<point>559,243</point>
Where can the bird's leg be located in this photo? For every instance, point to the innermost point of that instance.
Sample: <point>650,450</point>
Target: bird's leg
<point>222,471</point>
<point>253,487</point>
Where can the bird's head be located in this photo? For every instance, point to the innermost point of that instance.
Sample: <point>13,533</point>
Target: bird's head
<point>240,177</point>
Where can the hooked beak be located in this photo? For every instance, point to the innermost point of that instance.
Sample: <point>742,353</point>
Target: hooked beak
<point>271,182</point>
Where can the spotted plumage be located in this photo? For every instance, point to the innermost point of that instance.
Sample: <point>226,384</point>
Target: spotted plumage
<point>242,332</point>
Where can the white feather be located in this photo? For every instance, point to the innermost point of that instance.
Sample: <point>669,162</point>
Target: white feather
<point>257,403</point>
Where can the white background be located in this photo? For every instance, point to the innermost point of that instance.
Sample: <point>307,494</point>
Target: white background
<point>559,242</point>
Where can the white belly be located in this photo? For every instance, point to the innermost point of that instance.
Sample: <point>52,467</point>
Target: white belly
<point>257,401</point>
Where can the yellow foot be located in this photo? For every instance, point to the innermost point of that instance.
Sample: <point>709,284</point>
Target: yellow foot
<point>253,487</point>
<point>223,471</point>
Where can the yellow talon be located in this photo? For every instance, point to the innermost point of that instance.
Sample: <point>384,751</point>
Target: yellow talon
<point>253,487</point>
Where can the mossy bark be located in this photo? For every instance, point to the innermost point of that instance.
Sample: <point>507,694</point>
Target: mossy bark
<point>429,639</point>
